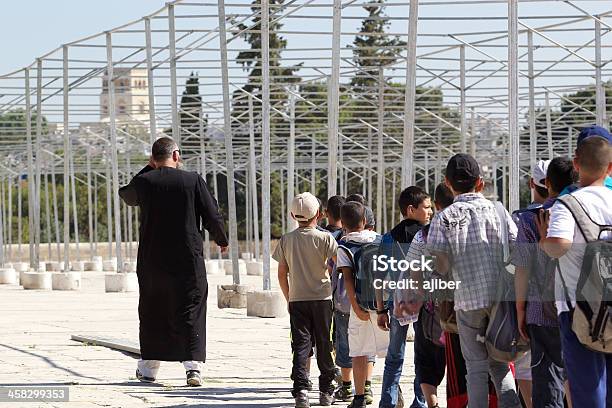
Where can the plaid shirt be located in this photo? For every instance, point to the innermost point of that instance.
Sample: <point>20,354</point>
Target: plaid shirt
<point>470,232</point>
<point>526,248</point>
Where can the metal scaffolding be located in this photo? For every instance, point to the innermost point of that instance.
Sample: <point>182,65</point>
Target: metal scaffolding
<point>508,81</point>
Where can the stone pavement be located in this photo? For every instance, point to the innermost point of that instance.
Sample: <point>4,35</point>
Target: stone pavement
<point>249,359</point>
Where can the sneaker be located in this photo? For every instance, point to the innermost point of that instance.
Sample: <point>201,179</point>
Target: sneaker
<point>361,403</point>
<point>344,394</point>
<point>142,378</point>
<point>193,378</point>
<point>301,399</point>
<point>369,395</point>
<point>325,399</point>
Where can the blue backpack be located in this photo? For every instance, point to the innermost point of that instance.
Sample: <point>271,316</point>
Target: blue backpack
<point>362,259</point>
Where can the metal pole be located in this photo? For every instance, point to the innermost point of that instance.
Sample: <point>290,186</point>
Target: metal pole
<point>9,221</point>
<point>114,153</point>
<point>48,216</point>
<point>313,165</point>
<point>229,157</point>
<point>513,105</point>
<point>370,188</point>
<point>380,153</point>
<point>600,93</point>
<point>150,87</point>
<point>203,170</point>
<point>410,98</point>
<point>66,219</point>
<point>462,97</point>
<point>56,216</point>
<point>265,119</point>
<point>549,137</point>
<point>109,211</point>
<point>253,177</point>
<point>38,155</point>
<point>75,214</point>
<point>282,193</point>
<point>215,191</point>
<point>176,133</point>
<point>393,189</point>
<point>95,214</point>
<point>31,181</point>
<point>89,205</point>
<point>472,132</point>
<point>291,223</point>
<point>532,117</point>
<point>334,101</point>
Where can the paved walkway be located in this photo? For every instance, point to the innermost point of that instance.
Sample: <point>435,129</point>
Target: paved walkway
<point>249,359</point>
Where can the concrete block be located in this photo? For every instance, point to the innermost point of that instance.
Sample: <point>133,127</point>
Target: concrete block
<point>254,268</point>
<point>66,280</point>
<point>8,265</point>
<point>266,303</point>
<point>121,282</point>
<point>42,267</point>
<point>93,266</point>
<point>247,256</point>
<point>213,267</point>
<point>77,266</point>
<point>232,296</point>
<point>51,266</point>
<point>96,258</point>
<point>129,266</point>
<point>109,265</point>
<point>21,266</point>
<point>36,280</point>
<point>242,270</point>
<point>8,276</point>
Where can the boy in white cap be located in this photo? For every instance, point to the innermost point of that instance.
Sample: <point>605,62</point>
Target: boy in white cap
<point>302,256</point>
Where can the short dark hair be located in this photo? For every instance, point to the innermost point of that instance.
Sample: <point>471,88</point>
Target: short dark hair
<point>593,154</point>
<point>163,148</point>
<point>561,174</point>
<point>352,214</point>
<point>443,195</point>
<point>356,197</point>
<point>411,196</point>
<point>542,191</point>
<point>334,204</point>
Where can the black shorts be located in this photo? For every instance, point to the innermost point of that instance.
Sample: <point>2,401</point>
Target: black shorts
<point>429,359</point>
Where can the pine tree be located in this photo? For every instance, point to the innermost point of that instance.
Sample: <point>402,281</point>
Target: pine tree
<point>191,108</point>
<point>372,48</point>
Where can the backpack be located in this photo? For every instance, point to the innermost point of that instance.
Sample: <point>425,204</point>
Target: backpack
<point>592,315</point>
<point>362,259</point>
<point>340,297</point>
<point>502,337</point>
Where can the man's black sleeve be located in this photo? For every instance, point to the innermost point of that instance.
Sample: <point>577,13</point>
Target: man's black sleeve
<point>128,193</point>
<point>212,220</point>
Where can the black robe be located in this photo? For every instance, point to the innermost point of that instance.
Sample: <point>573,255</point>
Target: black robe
<point>171,272</point>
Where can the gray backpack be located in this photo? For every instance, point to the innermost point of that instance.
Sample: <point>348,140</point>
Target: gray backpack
<point>592,315</point>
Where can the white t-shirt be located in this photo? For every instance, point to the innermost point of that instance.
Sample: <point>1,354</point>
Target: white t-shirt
<point>597,202</point>
<point>362,237</point>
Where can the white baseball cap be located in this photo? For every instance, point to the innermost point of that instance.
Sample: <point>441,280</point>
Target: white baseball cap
<point>539,173</point>
<point>304,206</point>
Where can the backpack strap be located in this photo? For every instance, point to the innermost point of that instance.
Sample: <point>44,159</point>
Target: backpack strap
<point>590,229</point>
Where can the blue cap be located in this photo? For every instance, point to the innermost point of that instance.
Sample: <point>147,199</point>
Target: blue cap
<point>594,131</point>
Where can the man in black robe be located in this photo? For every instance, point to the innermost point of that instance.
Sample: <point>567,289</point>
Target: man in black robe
<point>171,275</point>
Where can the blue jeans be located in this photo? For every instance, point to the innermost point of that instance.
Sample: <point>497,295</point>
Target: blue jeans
<point>589,372</point>
<point>393,369</point>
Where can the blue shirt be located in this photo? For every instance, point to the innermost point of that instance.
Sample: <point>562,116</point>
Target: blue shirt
<point>574,187</point>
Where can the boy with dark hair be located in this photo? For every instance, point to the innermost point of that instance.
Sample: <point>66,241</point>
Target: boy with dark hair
<point>356,197</point>
<point>468,236</point>
<point>332,212</point>
<point>534,287</point>
<point>415,206</point>
<point>303,276</point>
<point>589,372</point>
<point>364,337</point>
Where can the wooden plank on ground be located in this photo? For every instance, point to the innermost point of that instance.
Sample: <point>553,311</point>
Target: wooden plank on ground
<point>110,342</point>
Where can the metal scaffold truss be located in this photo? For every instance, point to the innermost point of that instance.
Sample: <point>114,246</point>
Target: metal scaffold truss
<point>272,97</point>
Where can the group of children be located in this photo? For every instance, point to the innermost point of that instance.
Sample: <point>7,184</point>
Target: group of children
<point>336,313</point>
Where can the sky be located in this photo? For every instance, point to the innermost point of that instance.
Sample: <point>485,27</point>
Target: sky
<point>29,28</point>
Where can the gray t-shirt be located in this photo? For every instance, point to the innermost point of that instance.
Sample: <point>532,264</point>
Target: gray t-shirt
<point>306,251</point>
